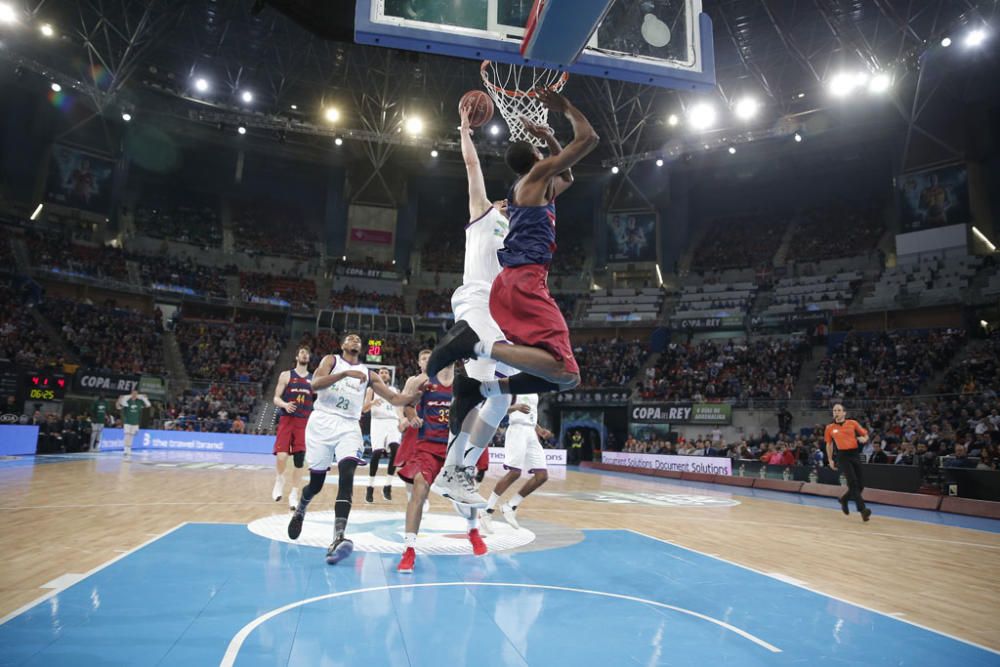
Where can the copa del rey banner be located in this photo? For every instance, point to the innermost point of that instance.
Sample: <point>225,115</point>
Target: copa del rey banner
<point>711,465</point>
<point>362,235</point>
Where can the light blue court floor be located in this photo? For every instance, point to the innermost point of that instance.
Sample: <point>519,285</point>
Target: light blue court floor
<point>218,594</point>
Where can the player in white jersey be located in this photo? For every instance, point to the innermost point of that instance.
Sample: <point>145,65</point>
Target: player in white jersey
<point>387,422</point>
<point>522,453</point>
<point>333,435</point>
<point>484,235</point>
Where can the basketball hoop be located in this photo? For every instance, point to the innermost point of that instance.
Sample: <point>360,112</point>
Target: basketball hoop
<point>512,88</point>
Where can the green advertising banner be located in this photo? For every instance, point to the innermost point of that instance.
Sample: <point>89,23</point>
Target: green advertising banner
<point>711,413</point>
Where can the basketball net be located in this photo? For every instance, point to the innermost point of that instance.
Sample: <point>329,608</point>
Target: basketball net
<point>512,88</point>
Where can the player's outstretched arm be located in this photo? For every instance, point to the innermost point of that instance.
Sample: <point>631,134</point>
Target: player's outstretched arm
<point>369,400</point>
<point>545,133</point>
<point>409,394</point>
<point>585,139</point>
<point>479,203</point>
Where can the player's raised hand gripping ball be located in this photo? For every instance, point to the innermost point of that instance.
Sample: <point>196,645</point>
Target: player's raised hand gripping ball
<point>479,107</point>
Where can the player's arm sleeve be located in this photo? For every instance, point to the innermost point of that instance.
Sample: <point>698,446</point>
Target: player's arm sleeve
<point>827,436</point>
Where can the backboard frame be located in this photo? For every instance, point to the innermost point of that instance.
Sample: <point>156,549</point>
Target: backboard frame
<point>372,27</point>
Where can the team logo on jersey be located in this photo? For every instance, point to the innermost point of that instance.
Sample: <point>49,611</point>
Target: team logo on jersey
<point>382,532</point>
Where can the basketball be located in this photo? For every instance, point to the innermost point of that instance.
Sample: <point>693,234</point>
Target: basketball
<point>480,107</point>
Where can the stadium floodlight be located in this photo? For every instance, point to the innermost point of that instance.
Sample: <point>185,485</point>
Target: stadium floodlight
<point>295,107</point>
<point>798,138</point>
<point>659,162</point>
<point>746,108</point>
<point>494,129</point>
<point>732,150</point>
<point>55,87</point>
<point>975,37</point>
<point>946,42</point>
<point>434,153</point>
<point>241,129</point>
<point>126,116</point>
<point>47,30</point>
<point>801,95</point>
<point>702,116</point>
<point>842,84</point>
<point>414,125</point>
<point>247,96</point>
<point>201,85</point>
<point>38,212</point>
<point>331,114</point>
<point>338,141</point>
<point>615,169</point>
<point>983,323</point>
<point>880,83</point>
<point>672,120</point>
<point>982,237</point>
<point>7,13</point>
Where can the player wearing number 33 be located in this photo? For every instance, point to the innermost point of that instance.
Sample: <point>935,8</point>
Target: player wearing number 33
<point>333,435</point>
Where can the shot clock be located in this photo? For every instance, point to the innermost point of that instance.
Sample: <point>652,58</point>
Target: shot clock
<point>374,355</point>
<point>45,386</point>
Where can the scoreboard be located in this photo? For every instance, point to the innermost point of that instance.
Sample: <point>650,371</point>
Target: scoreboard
<point>44,386</point>
<point>374,354</point>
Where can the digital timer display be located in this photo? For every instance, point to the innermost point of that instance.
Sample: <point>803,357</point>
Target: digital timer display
<point>374,355</point>
<point>46,386</point>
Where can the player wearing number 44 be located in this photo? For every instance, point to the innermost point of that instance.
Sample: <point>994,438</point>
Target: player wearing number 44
<point>333,435</point>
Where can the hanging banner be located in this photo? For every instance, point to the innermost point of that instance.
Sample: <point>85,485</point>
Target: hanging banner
<point>682,413</point>
<point>92,381</point>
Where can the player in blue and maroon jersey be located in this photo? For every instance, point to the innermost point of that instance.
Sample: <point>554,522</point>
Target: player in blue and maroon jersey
<point>426,458</point>
<point>294,399</point>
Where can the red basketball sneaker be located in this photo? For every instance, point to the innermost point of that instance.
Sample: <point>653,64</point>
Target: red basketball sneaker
<point>409,558</point>
<point>478,546</point>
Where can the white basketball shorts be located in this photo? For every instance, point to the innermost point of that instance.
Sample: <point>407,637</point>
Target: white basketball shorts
<point>471,302</point>
<point>384,433</point>
<point>522,449</point>
<point>130,429</point>
<point>331,439</point>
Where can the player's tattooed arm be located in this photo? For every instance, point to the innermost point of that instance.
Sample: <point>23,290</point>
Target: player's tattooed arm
<point>323,378</point>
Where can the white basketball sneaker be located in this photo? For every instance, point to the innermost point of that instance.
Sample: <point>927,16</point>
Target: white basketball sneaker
<point>278,490</point>
<point>508,516</point>
<point>459,485</point>
<point>293,499</point>
<point>486,522</point>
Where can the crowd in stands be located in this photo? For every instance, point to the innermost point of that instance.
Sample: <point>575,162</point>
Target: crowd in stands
<point>168,272</point>
<point>56,253</point>
<point>186,223</point>
<point>569,259</point>
<point>228,351</point>
<point>869,366</point>
<point>20,341</point>
<point>811,241</point>
<point>567,305</point>
<point>734,371</point>
<point>273,231</point>
<point>300,293</point>
<point>218,408</point>
<point>739,242</point>
<point>445,255</point>
<point>609,363</point>
<point>107,337</point>
<point>350,298</point>
<point>431,301</point>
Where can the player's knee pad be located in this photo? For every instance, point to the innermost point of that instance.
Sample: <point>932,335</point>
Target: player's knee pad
<point>299,459</point>
<point>494,408</point>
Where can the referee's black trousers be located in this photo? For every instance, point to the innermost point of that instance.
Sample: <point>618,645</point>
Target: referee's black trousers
<point>849,462</point>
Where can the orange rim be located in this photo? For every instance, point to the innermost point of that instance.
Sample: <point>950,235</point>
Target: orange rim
<point>554,86</point>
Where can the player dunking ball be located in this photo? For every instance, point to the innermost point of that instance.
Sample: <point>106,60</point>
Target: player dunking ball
<point>294,397</point>
<point>425,460</point>
<point>333,435</point>
<point>484,236</point>
<point>520,302</point>
<point>385,435</point>
<point>522,453</point>
<point>131,406</point>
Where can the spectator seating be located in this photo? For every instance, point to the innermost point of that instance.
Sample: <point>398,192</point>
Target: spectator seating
<point>738,242</point>
<point>263,228</point>
<point>228,351</point>
<point>431,302</point>
<point>58,254</point>
<point>299,293</point>
<point>117,340</point>
<point>735,371</point>
<point>609,363</point>
<point>627,304</point>
<point>443,256</point>
<point>213,407</point>
<point>20,341</point>
<point>357,300</point>
<point>725,300</point>
<point>869,366</point>
<point>811,240</point>
<point>195,223</point>
<point>173,274</point>
<point>813,293</point>
<point>924,281</point>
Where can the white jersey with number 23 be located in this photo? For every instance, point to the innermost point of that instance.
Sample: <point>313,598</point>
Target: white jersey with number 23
<point>346,397</point>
